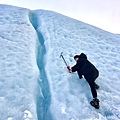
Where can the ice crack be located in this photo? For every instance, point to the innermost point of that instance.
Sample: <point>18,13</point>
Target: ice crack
<point>43,97</point>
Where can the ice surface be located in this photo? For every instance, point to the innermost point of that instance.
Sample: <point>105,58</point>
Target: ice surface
<point>18,68</point>
<point>34,81</point>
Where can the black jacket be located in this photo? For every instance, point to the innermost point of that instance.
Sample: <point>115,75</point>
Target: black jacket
<point>86,68</point>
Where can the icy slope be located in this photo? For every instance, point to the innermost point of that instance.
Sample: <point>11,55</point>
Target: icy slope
<point>18,68</point>
<point>34,81</point>
<point>70,96</point>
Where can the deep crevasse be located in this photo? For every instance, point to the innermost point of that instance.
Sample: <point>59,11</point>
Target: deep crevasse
<point>43,95</point>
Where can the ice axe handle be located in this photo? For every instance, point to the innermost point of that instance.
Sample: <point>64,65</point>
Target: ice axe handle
<point>63,59</point>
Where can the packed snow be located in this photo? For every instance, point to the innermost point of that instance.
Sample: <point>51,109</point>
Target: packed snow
<point>34,81</point>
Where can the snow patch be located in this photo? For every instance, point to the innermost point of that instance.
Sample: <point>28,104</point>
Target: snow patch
<point>27,115</point>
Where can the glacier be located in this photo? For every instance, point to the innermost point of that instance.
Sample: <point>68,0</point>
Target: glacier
<point>34,81</point>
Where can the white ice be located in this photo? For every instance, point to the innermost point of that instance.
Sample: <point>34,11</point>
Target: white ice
<point>34,81</point>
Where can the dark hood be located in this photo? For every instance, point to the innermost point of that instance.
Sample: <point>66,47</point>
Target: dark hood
<point>82,55</point>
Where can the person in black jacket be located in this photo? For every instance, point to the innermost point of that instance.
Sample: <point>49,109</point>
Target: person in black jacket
<point>88,70</point>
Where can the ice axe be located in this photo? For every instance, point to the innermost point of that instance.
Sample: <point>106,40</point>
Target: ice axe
<point>61,55</point>
<point>68,67</point>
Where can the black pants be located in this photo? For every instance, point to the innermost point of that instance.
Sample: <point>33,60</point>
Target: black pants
<point>93,90</point>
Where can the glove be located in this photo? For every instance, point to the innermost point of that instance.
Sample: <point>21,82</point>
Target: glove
<point>69,69</point>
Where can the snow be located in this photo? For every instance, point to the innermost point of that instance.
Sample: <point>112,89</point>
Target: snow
<point>34,81</point>
<point>18,68</point>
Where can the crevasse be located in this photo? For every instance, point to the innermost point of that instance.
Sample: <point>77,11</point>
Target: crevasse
<point>43,95</point>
